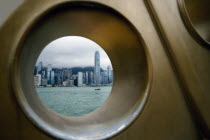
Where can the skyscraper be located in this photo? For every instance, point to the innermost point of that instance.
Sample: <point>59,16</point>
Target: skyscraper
<point>57,79</point>
<point>97,69</point>
<point>109,74</point>
<point>90,78</point>
<point>39,68</point>
<point>80,79</point>
<point>43,74</point>
<point>86,76</point>
<point>67,74</point>
<point>52,77</point>
<point>44,82</point>
<point>102,78</point>
<point>112,76</point>
<point>49,68</point>
<point>106,79</point>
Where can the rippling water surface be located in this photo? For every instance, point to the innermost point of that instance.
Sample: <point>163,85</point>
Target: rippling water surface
<point>73,101</point>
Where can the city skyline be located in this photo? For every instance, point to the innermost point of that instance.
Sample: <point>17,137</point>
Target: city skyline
<point>49,76</point>
<point>69,52</point>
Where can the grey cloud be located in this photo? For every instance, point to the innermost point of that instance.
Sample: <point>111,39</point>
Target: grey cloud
<point>72,51</point>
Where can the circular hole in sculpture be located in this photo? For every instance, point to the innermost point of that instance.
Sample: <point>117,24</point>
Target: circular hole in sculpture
<point>73,76</point>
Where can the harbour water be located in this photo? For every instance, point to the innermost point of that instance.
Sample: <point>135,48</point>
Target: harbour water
<point>73,101</point>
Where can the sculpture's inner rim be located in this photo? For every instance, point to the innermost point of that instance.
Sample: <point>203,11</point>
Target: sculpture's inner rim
<point>198,14</point>
<point>129,59</point>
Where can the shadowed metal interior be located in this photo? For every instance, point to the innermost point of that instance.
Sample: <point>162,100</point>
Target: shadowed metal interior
<point>195,14</point>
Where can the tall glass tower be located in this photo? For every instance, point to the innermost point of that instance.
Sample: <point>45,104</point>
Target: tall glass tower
<point>52,77</point>
<point>39,68</point>
<point>109,74</point>
<point>97,69</point>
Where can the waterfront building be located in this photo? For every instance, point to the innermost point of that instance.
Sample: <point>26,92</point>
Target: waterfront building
<point>71,83</point>
<point>68,83</point>
<point>109,72</point>
<point>80,79</point>
<point>74,77</point>
<point>65,83</point>
<point>86,76</point>
<point>102,78</point>
<point>106,77</point>
<point>90,78</point>
<point>39,68</point>
<point>52,78</point>
<point>112,76</point>
<point>67,74</point>
<point>43,74</point>
<point>97,69</point>
<point>44,82</point>
<point>37,80</point>
<point>62,73</point>
<point>49,69</point>
<point>58,79</point>
<point>61,78</point>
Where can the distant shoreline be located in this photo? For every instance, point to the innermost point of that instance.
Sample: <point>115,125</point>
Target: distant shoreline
<point>69,87</point>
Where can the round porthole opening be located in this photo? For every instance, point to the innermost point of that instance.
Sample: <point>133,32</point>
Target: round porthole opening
<point>73,76</point>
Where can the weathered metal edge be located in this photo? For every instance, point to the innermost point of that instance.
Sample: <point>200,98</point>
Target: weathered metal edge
<point>189,25</point>
<point>191,103</point>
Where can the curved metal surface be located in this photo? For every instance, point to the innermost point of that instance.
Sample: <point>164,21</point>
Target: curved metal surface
<point>165,114</point>
<point>116,35</point>
<point>190,59</point>
<point>195,14</point>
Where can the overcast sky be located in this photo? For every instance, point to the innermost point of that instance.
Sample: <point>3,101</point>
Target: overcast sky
<point>72,51</point>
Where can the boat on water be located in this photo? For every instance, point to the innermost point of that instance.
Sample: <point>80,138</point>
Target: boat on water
<point>97,89</point>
